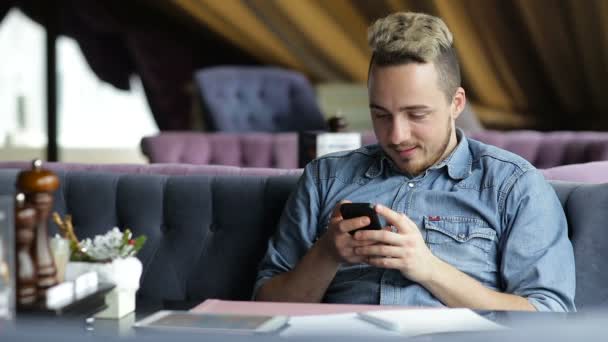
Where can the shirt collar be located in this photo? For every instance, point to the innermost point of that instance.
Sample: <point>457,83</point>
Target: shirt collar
<point>377,166</point>
<point>458,162</point>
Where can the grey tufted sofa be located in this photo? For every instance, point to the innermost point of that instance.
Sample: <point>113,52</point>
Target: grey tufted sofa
<point>208,231</point>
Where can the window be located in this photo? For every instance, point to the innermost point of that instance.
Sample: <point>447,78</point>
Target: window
<point>91,113</point>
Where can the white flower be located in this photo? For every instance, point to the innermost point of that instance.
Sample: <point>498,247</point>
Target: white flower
<point>107,247</point>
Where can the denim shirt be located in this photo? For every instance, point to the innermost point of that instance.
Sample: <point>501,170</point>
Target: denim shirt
<point>485,211</point>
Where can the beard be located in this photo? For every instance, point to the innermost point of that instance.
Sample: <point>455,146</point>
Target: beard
<point>413,168</point>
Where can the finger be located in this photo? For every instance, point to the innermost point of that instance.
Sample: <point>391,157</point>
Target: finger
<point>382,262</point>
<point>350,256</point>
<point>336,213</point>
<point>380,251</point>
<point>384,236</point>
<point>396,219</point>
<point>346,226</point>
<point>356,243</point>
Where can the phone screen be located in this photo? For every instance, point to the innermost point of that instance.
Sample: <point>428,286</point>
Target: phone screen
<point>352,210</point>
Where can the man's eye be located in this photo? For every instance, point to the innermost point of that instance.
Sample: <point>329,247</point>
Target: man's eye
<point>419,115</point>
<point>381,116</point>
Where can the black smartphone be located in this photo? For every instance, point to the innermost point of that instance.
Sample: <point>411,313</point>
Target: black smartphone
<point>352,210</point>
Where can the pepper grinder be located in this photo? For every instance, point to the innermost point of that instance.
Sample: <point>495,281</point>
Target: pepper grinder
<point>38,186</point>
<point>25,225</point>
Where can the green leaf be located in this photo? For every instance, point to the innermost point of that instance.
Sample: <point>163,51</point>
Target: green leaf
<point>139,243</point>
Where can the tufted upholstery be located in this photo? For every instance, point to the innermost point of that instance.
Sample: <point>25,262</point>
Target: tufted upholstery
<point>267,99</point>
<point>585,205</point>
<point>237,149</point>
<point>542,149</point>
<point>205,233</point>
<point>549,149</point>
<point>208,232</point>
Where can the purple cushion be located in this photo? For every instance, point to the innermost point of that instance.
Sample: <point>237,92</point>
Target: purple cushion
<point>593,172</point>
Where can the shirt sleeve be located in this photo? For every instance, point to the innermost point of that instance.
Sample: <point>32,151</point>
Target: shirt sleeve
<point>537,256</point>
<point>297,229</point>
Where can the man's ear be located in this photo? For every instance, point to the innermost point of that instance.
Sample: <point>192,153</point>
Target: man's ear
<point>459,101</point>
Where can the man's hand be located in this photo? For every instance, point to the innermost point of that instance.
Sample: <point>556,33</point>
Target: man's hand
<point>339,243</point>
<point>402,248</point>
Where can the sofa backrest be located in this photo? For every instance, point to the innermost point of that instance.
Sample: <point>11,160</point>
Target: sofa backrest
<point>207,233</point>
<point>168,169</point>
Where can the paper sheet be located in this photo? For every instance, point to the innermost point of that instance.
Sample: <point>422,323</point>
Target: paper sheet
<point>347,324</point>
<point>408,322</point>
<point>429,321</point>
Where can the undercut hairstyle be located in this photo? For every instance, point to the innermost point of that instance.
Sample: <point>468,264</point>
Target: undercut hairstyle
<point>408,37</point>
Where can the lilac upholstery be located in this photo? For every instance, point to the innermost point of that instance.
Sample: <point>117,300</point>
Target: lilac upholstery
<point>157,169</point>
<point>245,149</point>
<point>258,99</point>
<point>542,149</point>
<point>549,149</point>
<point>594,172</point>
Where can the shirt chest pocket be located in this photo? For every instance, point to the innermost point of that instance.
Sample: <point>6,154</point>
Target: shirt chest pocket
<point>469,244</point>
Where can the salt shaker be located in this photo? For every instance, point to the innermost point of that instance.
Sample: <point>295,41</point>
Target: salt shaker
<point>25,227</point>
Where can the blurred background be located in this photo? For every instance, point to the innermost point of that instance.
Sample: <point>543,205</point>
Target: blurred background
<point>91,78</point>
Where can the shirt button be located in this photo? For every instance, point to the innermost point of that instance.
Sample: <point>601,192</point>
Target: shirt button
<point>411,185</point>
<point>461,236</point>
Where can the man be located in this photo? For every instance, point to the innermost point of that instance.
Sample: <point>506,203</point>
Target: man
<point>468,224</point>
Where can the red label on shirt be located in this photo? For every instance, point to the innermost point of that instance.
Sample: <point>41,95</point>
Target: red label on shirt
<point>434,218</point>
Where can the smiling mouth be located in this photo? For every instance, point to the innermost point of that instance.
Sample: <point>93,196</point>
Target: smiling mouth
<point>406,152</point>
<point>406,149</point>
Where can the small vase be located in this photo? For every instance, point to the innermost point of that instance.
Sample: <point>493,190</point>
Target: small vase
<point>124,273</point>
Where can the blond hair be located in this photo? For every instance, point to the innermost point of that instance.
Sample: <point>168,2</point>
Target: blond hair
<point>408,37</point>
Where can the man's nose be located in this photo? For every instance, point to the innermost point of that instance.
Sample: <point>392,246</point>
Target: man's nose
<point>400,130</point>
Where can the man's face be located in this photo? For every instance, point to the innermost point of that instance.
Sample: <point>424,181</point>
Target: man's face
<point>413,121</point>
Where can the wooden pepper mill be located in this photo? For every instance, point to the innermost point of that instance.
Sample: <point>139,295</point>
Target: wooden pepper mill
<point>38,186</point>
<point>25,226</point>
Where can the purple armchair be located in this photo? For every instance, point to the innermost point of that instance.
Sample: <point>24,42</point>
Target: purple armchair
<point>257,99</point>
